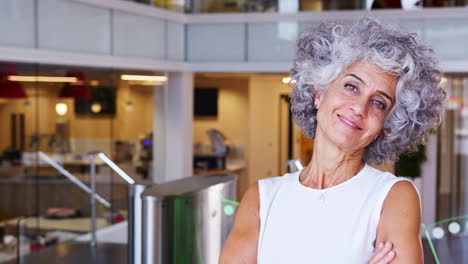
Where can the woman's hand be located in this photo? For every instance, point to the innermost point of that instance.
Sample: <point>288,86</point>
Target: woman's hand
<point>383,254</point>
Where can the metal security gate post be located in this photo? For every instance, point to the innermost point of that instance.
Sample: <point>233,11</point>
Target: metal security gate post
<point>135,223</point>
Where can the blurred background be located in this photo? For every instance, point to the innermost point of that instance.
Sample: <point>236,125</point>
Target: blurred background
<point>169,90</point>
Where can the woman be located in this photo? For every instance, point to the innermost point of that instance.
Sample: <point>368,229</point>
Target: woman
<point>365,93</point>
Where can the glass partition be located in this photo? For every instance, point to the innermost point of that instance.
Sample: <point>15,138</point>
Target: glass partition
<point>53,118</point>
<point>447,238</point>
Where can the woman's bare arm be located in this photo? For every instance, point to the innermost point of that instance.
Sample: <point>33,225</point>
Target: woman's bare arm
<point>400,223</point>
<point>241,244</point>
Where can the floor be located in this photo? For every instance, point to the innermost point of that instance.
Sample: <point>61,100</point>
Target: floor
<point>449,251</point>
<point>78,253</point>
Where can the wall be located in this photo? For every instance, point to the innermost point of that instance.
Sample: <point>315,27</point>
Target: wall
<point>133,121</point>
<point>233,109</point>
<point>264,101</point>
<point>37,112</point>
<point>233,116</point>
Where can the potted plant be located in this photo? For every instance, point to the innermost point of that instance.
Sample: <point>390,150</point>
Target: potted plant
<point>409,166</point>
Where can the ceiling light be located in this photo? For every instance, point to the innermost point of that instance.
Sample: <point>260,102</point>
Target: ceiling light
<point>145,83</point>
<point>151,78</point>
<point>61,109</point>
<point>96,108</point>
<point>20,78</point>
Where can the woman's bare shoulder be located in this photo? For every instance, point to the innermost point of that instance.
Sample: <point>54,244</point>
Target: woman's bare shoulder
<point>400,223</point>
<point>241,244</point>
<point>402,196</point>
<point>251,195</point>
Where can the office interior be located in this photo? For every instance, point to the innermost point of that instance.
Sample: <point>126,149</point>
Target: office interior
<point>189,101</point>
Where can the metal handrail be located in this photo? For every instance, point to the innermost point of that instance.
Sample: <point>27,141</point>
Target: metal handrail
<point>134,211</point>
<point>92,191</point>
<point>116,168</point>
<point>92,171</point>
<point>72,178</point>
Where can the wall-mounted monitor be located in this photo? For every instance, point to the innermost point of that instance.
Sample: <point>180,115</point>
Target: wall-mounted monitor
<point>205,102</point>
<point>102,102</point>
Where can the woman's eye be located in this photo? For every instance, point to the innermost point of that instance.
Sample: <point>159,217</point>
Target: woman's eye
<point>379,104</point>
<point>350,87</point>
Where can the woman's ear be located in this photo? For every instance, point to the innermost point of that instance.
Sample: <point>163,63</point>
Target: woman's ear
<point>317,99</point>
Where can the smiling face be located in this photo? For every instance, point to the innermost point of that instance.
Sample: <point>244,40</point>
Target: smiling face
<point>351,112</point>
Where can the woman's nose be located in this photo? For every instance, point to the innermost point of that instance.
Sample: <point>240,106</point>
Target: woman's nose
<point>359,107</point>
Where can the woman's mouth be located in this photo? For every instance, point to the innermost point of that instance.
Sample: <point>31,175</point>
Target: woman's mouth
<point>349,123</point>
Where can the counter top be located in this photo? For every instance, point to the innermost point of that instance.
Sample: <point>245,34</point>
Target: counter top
<point>80,224</point>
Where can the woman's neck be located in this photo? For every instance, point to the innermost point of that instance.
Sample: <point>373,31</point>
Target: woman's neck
<point>330,165</point>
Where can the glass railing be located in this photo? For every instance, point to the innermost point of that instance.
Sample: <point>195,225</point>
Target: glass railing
<point>448,236</point>
<point>66,113</point>
<point>291,6</point>
<point>446,240</point>
<point>72,214</point>
<point>66,208</point>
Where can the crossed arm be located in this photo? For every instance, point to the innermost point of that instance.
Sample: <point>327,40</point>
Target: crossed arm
<point>399,223</point>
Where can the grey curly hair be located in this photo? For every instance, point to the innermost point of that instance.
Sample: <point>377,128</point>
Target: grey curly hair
<point>324,51</point>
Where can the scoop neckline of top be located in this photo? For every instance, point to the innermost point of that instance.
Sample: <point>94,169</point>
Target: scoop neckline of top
<point>358,175</point>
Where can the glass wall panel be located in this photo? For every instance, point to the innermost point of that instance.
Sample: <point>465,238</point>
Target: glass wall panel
<point>449,233</point>
<point>216,42</point>
<point>17,18</point>
<point>266,39</point>
<point>55,121</point>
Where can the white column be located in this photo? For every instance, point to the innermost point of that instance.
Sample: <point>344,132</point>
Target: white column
<point>159,134</point>
<point>173,143</point>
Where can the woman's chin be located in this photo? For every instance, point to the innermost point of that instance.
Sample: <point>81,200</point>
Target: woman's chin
<point>347,143</point>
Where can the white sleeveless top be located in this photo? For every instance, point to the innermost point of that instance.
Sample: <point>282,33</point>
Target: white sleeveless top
<point>298,226</point>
